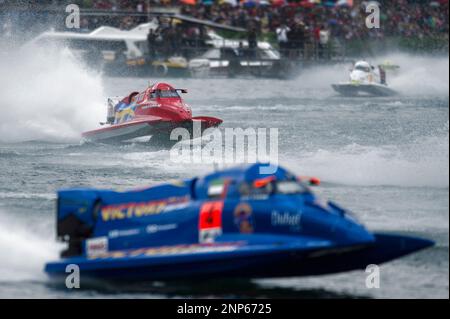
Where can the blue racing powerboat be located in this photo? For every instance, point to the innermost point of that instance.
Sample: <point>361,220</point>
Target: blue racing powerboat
<point>239,223</point>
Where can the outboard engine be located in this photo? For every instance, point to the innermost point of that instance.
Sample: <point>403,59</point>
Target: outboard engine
<point>76,215</point>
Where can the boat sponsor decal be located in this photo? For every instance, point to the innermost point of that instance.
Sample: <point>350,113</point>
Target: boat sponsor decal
<point>96,246</point>
<point>154,228</point>
<point>216,188</point>
<point>171,250</point>
<point>138,210</point>
<point>210,221</point>
<point>124,115</point>
<point>243,218</point>
<point>123,232</point>
<point>173,207</point>
<point>289,219</point>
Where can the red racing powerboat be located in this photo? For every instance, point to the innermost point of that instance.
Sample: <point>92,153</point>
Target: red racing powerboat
<point>154,112</point>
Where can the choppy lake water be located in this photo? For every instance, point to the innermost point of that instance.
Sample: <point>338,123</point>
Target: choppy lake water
<point>386,159</point>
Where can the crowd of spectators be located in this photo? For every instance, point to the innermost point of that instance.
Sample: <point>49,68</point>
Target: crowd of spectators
<point>291,22</point>
<point>398,18</point>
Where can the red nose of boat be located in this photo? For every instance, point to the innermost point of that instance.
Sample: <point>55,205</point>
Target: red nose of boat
<point>175,111</point>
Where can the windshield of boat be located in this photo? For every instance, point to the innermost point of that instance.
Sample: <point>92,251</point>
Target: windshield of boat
<point>290,187</point>
<point>165,94</point>
<point>286,187</point>
<point>362,68</point>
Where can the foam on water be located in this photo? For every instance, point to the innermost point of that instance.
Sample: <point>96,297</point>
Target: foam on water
<point>46,94</point>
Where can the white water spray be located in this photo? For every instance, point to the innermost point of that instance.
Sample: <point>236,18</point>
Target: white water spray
<point>45,94</point>
<point>22,251</point>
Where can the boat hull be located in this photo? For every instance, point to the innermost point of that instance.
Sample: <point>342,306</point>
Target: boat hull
<point>159,129</point>
<point>350,89</point>
<point>238,260</point>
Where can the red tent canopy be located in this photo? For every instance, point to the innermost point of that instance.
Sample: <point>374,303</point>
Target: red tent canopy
<point>189,2</point>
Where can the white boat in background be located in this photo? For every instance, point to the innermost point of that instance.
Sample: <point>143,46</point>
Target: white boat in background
<point>106,40</point>
<point>367,80</point>
<point>231,57</point>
